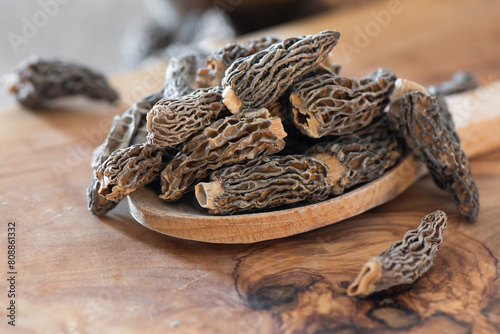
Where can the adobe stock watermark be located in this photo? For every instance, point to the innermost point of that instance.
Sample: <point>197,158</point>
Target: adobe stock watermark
<point>371,29</point>
<point>32,25</point>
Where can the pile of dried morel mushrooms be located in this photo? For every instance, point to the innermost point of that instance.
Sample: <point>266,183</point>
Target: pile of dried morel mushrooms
<point>271,122</point>
<point>268,123</point>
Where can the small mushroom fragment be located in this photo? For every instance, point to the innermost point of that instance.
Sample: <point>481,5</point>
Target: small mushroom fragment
<point>180,75</point>
<point>264,182</point>
<point>125,130</point>
<point>328,104</point>
<point>229,140</point>
<point>359,157</point>
<point>460,82</point>
<point>218,62</point>
<point>39,81</point>
<point>173,120</point>
<point>127,169</point>
<point>258,80</point>
<point>427,129</point>
<point>405,261</point>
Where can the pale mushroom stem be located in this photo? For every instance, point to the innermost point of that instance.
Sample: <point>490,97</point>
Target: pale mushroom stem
<point>364,283</point>
<point>404,86</point>
<point>232,102</point>
<point>206,192</point>
<point>277,127</point>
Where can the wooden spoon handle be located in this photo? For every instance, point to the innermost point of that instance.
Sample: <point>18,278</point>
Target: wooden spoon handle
<point>477,118</point>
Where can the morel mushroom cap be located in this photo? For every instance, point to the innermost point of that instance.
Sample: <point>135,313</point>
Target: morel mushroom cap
<point>218,62</point>
<point>174,120</point>
<point>258,80</point>
<point>229,140</point>
<point>328,104</point>
<point>264,182</point>
<point>127,169</point>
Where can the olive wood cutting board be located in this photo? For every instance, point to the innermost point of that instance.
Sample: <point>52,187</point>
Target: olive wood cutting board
<point>81,274</point>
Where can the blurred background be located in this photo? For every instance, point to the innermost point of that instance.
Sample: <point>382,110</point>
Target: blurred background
<point>115,36</point>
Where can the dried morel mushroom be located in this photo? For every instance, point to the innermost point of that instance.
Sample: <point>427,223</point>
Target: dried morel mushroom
<point>258,80</point>
<point>229,140</point>
<point>264,182</point>
<point>405,261</point>
<point>460,82</point>
<point>96,203</point>
<point>359,157</point>
<point>329,104</point>
<point>180,75</point>
<point>124,132</point>
<point>218,62</point>
<point>425,127</point>
<point>233,51</point>
<point>40,81</point>
<point>127,169</point>
<point>173,120</point>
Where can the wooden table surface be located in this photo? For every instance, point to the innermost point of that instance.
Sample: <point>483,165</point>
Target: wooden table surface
<point>77,273</point>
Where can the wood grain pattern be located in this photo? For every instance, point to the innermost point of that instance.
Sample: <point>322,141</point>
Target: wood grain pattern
<point>82,274</point>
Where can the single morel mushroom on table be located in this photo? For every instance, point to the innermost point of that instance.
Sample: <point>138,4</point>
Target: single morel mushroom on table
<point>258,80</point>
<point>405,261</point>
<point>359,157</point>
<point>427,129</point>
<point>329,104</point>
<point>264,182</point>
<point>229,140</point>
<point>174,120</point>
<point>38,82</point>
